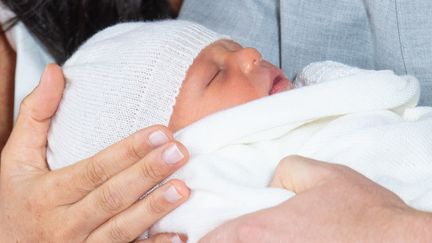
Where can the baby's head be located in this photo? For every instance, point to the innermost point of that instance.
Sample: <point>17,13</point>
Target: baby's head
<point>224,75</point>
<point>134,75</point>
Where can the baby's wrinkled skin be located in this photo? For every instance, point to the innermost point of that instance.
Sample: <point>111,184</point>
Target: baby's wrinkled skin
<point>224,75</point>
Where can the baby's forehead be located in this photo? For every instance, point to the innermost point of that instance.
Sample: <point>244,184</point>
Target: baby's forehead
<point>211,52</point>
<point>210,56</point>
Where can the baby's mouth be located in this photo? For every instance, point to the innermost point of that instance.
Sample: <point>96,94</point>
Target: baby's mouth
<point>280,84</point>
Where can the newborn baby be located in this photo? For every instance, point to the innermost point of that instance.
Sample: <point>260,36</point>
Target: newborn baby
<point>134,75</point>
<point>227,106</point>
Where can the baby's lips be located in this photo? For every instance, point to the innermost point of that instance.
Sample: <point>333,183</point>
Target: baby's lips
<point>280,84</point>
<point>290,83</point>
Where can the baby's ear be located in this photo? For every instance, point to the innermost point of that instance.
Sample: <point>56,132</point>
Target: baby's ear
<point>318,72</point>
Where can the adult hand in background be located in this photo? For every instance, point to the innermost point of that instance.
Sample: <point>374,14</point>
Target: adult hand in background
<point>333,204</point>
<point>94,200</point>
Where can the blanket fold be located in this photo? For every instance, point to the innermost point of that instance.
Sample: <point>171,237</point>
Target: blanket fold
<point>366,120</point>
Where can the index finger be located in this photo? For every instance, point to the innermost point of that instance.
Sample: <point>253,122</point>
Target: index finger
<point>85,176</point>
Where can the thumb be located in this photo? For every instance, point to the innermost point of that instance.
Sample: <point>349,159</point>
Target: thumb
<point>27,143</point>
<point>299,174</point>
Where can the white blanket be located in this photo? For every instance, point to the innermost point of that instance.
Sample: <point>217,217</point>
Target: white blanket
<point>366,120</point>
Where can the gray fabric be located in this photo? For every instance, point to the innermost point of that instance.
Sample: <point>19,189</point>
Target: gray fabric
<point>251,23</point>
<point>384,34</point>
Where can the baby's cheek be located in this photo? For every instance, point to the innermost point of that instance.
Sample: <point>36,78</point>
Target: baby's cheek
<point>232,98</point>
<point>245,92</point>
<point>217,98</point>
<point>193,109</point>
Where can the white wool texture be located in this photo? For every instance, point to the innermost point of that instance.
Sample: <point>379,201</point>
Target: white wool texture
<point>123,79</point>
<point>364,119</point>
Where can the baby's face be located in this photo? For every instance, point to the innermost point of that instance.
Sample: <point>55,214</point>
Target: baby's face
<point>224,75</point>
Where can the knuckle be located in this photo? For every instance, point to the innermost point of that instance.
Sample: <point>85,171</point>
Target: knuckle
<point>110,201</point>
<point>154,206</point>
<point>25,105</point>
<point>95,173</point>
<point>119,233</point>
<point>151,172</point>
<point>133,152</point>
<point>288,162</point>
<point>333,172</point>
<point>337,169</point>
<point>285,163</point>
<point>27,108</point>
<point>294,157</point>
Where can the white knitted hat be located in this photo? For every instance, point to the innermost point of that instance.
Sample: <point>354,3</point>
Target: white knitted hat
<point>125,78</point>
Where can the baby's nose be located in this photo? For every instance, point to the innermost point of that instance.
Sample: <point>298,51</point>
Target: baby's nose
<point>248,58</point>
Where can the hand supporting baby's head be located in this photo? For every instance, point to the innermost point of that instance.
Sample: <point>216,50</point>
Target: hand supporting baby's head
<point>134,75</point>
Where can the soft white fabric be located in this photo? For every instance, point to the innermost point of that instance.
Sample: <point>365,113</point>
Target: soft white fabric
<point>125,78</point>
<point>319,72</point>
<point>31,58</point>
<point>363,119</point>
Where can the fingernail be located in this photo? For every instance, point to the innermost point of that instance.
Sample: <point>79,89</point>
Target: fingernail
<point>176,239</point>
<point>172,196</point>
<point>172,155</point>
<point>158,138</point>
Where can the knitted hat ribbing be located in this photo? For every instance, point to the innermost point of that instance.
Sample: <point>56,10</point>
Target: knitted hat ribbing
<point>125,78</point>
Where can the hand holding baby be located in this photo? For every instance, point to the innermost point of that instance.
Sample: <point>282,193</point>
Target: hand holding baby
<point>85,201</point>
<point>333,204</point>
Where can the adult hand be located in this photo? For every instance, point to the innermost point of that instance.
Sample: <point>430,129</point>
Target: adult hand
<point>94,200</point>
<point>333,204</point>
